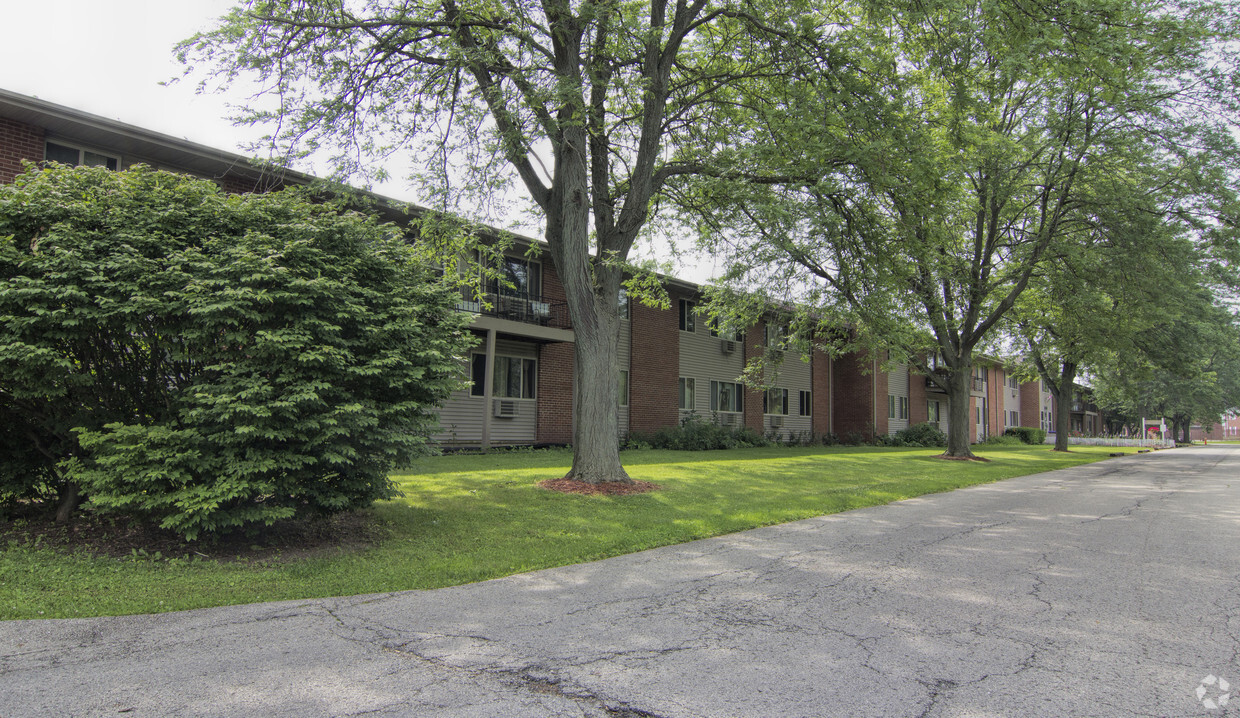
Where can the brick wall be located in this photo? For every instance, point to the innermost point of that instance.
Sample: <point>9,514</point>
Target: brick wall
<point>18,141</point>
<point>654,366</point>
<point>820,377</point>
<point>879,381</point>
<point>555,393</point>
<point>1031,403</point>
<point>995,388</point>
<point>918,413</point>
<point>854,396</point>
<point>755,338</point>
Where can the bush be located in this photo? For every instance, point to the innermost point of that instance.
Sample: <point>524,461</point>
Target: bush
<point>211,361</point>
<point>1027,434</point>
<point>923,434</point>
<point>1002,440</point>
<point>697,434</point>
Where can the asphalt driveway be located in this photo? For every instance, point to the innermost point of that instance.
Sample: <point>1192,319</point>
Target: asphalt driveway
<point>1105,590</point>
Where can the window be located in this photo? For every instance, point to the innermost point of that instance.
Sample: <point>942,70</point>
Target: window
<point>513,377</point>
<point>1013,382</point>
<point>776,336</point>
<point>805,403</point>
<point>1013,418</point>
<point>725,396</point>
<point>622,389</point>
<point>687,322</point>
<point>775,401</point>
<point>622,303</point>
<point>518,277</point>
<point>932,412</point>
<point>891,406</point>
<point>54,152</point>
<point>728,334</point>
<point>903,408</point>
<point>688,394</point>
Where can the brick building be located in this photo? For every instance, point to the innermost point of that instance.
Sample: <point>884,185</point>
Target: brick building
<point>673,364</point>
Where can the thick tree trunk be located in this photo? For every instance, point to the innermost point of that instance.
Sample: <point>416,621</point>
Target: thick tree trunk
<point>1063,405</point>
<point>70,497</point>
<point>596,436</point>
<point>592,305</point>
<point>959,382</point>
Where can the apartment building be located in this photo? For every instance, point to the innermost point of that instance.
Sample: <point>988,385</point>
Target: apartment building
<point>673,363</point>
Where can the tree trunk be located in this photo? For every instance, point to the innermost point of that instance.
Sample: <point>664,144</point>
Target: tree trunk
<point>592,291</point>
<point>70,497</point>
<point>1063,405</point>
<point>959,382</point>
<point>596,436</point>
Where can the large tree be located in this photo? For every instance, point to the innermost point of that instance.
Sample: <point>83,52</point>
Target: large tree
<point>952,165</point>
<point>585,103</point>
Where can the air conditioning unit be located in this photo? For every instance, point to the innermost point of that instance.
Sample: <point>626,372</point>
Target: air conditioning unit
<point>727,346</point>
<point>505,409</point>
<point>728,419</point>
<point>777,421</point>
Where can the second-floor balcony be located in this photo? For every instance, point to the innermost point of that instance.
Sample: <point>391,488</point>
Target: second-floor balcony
<point>519,308</point>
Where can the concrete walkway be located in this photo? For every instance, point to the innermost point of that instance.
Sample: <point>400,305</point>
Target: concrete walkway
<point>1106,590</point>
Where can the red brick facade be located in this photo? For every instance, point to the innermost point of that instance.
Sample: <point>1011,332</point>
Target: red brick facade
<point>555,393</point>
<point>854,396</point>
<point>18,142</point>
<point>1031,404</point>
<point>654,367</point>
<point>918,411</point>
<point>820,373</point>
<point>755,347</point>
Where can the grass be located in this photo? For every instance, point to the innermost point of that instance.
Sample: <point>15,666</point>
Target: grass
<point>470,518</point>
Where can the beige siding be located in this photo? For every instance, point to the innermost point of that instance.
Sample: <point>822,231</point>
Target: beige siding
<point>1011,402</point>
<point>702,359</point>
<point>795,375</point>
<point>460,420</point>
<point>897,385</point>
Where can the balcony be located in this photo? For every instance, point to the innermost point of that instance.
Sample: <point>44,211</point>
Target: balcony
<point>527,310</point>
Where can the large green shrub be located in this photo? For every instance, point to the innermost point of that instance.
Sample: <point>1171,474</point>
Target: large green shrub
<point>1027,434</point>
<point>209,360</point>
<point>923,434</point>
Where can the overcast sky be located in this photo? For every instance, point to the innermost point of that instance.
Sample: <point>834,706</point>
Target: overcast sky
<point>108,57</point>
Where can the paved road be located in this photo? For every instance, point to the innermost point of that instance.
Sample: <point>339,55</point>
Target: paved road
<point>1108,590</point>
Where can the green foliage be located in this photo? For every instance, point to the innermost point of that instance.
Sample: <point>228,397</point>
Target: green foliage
<point>211,361</point>
<point>697,434</point>
<point>923,434</point>
<point>1027,434</point>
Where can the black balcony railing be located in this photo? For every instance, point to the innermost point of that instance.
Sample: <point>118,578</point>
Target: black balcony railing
<point>523,309</point>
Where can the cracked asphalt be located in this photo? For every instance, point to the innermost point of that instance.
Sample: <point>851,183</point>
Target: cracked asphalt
<point>1106,590</point>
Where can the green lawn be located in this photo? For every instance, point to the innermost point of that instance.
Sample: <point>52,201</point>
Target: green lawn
<point>469,518</point>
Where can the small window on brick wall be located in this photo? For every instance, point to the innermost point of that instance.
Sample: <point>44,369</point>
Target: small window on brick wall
<point>67,155</point>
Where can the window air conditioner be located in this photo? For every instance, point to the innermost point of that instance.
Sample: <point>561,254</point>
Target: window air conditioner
<point>727,346</point>
<point>777,421</point>
<point>727,420</point>
<point>505,408</point>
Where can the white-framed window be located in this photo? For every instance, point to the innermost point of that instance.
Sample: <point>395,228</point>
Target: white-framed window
<point>805,404</point>
<point>1013,418</point>
<point>726,396</point>
<point>902,408</point>
<point>933,413</point>
<point>513,377</point>
<point>775,401</point>
<point>622,303</point>
<point>688,322</point>
<point>77,156</point>
<point>897,407</point>
<point>1013,382</point>
<point>622,388</point>
<point>891,406</point>
<point>687,393</point>
<point>776,336</point>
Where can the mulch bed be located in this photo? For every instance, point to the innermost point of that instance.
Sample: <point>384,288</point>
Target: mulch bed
<point>602,488</point>
<point>124,538</point>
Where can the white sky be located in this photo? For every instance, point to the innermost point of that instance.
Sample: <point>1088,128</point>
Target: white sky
<point>108,57</point>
